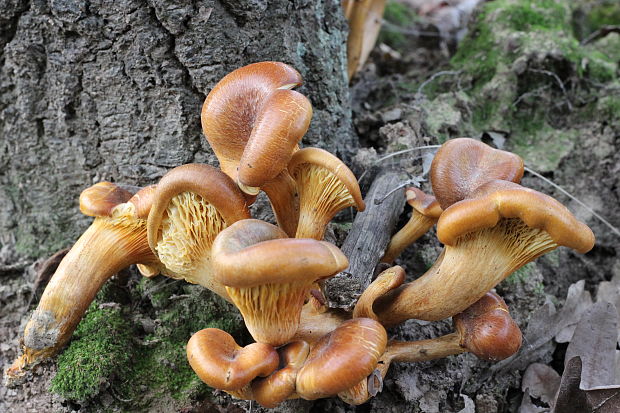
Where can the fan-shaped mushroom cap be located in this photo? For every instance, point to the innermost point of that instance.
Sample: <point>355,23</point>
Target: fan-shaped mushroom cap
<point>268,276</point>
<point>488,237</point>
<point>116,239</point>
<point>342,358</point>
<point>221,363</point>
<point>252,113</point>
<point>280,385</point>
<point>192,204</point>
<point>425,213</point>
<point>497,200</point>
<point>462,165</point>
<point>325,186</point>
<point>487,330</point>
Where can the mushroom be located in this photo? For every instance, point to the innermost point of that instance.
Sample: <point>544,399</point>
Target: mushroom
<point>484,329</point>
<point>500,228</point>
<point>425,213</point>
<point>115,240</point>
<point>280,385</point>
<point>253,122</point>
<point>462,165</point>
<point>191,205</point>
<point>325,186</point>
<point>269,276</point>
<point>341,359</point>
<point>220,362</point>
<point>365,18</point>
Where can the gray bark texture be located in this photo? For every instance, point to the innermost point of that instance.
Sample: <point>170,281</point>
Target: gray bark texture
<point>112,90</point>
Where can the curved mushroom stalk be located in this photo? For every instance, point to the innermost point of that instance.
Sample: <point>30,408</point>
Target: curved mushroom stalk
<point>484,329</point>
<point>254,122</point>
<point>115,240</point>
<point>192,204</point>
<point>216,358</point>
<point>314,323</point>
<point>269,276</point>
<point>487,237</point>
<point>325,186</point>
<point>341,358</point>
<point>425,213</point>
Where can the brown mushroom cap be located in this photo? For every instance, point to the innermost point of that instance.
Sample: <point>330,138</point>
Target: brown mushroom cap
<point>462,165</point>
<point>191,205</point>
<point>342,358</point>
<point>279,126</point>
<point>325,186</point>
<point>498,200</point>
<point>487,330</point>
<point>268,276</point>
<point>233,106</point>
<point>221,363</point>
<point>99,199</point>
<point>280,385</point>
<point>426,212</point>
<point>143,200</point>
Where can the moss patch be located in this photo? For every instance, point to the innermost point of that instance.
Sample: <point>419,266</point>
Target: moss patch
<point>135,346</point>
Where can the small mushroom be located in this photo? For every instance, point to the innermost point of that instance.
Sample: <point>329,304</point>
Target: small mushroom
<point>191,205</point>
<point>500,228</point>
<point>425,213</point>
<point>115,240</point>
<point>462,165</point>
<point>280,385</point>
<point>268,276</point>
<point>341,359</point>
<point>221,363</point>
<point>325,186</point>
<point>484,329</point>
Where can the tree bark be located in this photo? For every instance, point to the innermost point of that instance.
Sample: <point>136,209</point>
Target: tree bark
<point>108,90</point>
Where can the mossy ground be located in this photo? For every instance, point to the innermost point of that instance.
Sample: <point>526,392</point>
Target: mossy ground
<point>523,72</point>
<point>131,344</point>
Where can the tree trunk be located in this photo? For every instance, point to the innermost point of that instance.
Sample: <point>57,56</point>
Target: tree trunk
<point>108,90</point>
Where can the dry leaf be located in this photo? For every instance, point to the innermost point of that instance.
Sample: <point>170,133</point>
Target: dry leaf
<point>541,381</point>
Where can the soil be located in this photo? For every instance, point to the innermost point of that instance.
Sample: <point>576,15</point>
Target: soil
<point>400,102</point>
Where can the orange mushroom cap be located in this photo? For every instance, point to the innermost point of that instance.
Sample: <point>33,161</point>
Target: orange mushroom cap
<point>462,165</point>
<point>221,363</point>
<point>487,330</point>
<point>268,276</point>
<point>498,199</point>
<point>342,358</point>
<point>251,114</point>
<point>99,199</point>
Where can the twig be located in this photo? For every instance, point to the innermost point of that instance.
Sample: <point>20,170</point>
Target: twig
<point>600,33</point>
<point>587,208</point>
<point>558,80</point>
<point>436,75</point>
<point>390,155</point>
<point>528,94</point>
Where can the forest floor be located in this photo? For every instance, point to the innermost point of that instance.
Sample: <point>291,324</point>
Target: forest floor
<point>539,78</point>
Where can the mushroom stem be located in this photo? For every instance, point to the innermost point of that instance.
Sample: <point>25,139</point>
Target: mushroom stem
<point>417,226</point>
<point>463,273</point>
<point>107,246</point>
<point>284,199</point>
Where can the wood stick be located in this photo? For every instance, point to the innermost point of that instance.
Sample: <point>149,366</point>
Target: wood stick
<point>367,240</point>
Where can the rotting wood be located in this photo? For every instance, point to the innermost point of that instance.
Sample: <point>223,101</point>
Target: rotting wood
<point>367,240</point>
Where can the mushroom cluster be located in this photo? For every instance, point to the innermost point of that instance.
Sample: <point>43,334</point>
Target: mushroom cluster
<point>195,225</point>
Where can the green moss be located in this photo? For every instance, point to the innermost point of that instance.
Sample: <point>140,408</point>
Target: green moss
<point>605,13</point>
<point>521,275</point>
<point>399,16</point>
<point>99,354</point>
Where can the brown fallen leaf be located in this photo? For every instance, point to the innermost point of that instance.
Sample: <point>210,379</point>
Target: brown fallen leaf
<point>541,381</point>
